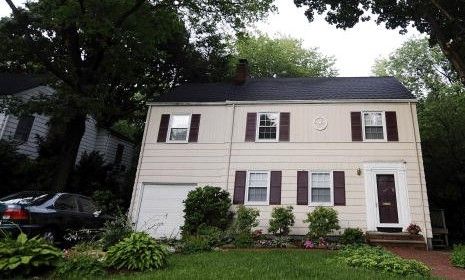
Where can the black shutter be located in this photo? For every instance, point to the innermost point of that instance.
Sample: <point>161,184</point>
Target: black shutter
<point>194,129</point>
<point>163,129</point>
<point>284,126</point>
<point>275,187</point>
<point>239,187</point>
<point>23,129</point>
<point>339,188</point>
<point>391,126</point>
<point>302,187</point>
<point>356,125</point>
<point>251,126</point>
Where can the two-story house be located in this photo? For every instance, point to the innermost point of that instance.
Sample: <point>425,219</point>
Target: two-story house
<point>348,143</point>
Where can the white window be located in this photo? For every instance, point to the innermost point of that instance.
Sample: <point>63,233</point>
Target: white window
<point>321,188</point>
<point>178,130</point>
<point>267,126</point>
<point>374,126</point>
<point>258,183</point>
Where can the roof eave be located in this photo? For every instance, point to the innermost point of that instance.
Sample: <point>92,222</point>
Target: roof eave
<point>326,101</point>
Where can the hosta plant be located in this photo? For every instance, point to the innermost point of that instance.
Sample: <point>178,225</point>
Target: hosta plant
<point>138,252</point>
<point>23,255</point>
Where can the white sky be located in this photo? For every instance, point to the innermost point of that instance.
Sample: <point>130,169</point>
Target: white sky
<point>355,49</point>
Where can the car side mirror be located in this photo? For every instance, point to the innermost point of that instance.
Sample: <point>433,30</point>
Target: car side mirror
<point>97,213</point>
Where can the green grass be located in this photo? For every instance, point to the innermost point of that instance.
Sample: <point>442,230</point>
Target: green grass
<point>259,264</point>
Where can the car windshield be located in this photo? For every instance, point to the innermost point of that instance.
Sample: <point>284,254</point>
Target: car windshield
<point>26,198</point>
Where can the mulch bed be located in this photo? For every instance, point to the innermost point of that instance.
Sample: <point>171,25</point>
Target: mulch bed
<point>437,260</point>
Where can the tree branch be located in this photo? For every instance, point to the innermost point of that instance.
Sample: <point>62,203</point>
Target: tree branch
<point>128,13</point>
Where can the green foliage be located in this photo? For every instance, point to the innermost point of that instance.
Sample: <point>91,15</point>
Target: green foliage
<point>80,267</point>
<point>322,221</point>
<point>207,206</point>
<point>213,235</point>
<point>381,260</point>
<point>195,244</point>
<point>282,57</point>
<point>352,236</point>
<point>458,256</point>
<point>138,252</point>
<point>282,218</point>
<point>115,230</point>
<point>246,219</point>
<point>243,240</point>
<point>16,170</point>
<point>23,255</point>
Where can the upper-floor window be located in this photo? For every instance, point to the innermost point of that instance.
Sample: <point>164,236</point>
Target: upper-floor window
<point>178,129</point>
<point>373,126</point>
<point>23,129</point>
<point>320,188</point>
<point>268,127</point>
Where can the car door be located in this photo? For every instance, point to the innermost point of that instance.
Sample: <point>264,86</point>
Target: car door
<point>66,208</point>
<point>88,213</point>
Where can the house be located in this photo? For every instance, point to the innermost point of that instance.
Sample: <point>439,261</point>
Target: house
<point>26,131</point>
<point>348,143</point>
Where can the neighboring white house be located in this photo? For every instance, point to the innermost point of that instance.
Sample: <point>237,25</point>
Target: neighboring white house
<point>348,143</point>
<point>25,131</point>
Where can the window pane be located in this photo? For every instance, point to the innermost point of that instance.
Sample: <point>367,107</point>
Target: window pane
<point>257,194</point>
<point>374,132</point>
<point>86,205</point>
<point>180,121</point>
<point>178,134</point>
<point>258,187</point>
<point>321,187</point>
<point>267,126</point>
<point>373,119</point>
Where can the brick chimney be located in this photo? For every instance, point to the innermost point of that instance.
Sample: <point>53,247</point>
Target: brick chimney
<point>242,72</point>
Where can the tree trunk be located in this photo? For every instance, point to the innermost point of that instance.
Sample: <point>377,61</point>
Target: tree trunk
<point>66,153</point>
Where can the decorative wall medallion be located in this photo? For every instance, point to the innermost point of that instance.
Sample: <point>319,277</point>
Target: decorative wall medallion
<point>320,123</point>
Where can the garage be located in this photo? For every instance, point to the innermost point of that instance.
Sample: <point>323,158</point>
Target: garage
<point>161,209</point>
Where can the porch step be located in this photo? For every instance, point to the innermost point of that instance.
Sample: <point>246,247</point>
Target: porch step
<point>396,240</point>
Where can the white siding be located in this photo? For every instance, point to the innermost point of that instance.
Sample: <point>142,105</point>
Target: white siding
<point>107,143</point>
<point>214,159</point>
<point>89,139</point>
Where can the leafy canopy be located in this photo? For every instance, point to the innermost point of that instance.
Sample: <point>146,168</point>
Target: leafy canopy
<point>282,57</point>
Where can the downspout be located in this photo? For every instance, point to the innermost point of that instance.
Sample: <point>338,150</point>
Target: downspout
<point>4,123</point>
<point>139,162</point>
<point>230,145</point>
<point>419,175</point>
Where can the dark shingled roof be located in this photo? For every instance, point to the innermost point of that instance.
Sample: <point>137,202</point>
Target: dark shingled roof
<point>13,83</point>
<point>291,89</point>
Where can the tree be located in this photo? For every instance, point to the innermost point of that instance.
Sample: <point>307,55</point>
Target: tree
<point>282,57</point>
<point>443,20</point>
<point>441,117</point>
<point>105,58</point>
<point>424,70</point>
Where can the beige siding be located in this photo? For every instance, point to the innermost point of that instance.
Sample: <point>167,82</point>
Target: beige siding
<point>214,159</point>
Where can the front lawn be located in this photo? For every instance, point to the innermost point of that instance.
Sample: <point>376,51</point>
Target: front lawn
<point>260,264</point>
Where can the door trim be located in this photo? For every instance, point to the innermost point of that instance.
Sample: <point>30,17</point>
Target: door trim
<point>371,192</point>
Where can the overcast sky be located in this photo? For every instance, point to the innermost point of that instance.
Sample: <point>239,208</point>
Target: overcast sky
<point>355,49</point>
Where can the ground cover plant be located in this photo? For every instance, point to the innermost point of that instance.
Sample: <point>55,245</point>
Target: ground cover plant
<point>458,256</point>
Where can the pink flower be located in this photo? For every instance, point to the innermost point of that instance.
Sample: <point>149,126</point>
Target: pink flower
<point>309,244</point>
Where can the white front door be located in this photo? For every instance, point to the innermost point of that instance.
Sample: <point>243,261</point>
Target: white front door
<point>387,198</point>
<point>161,209</point>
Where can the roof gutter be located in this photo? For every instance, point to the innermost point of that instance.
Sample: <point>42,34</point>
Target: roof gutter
<point>328,101</point>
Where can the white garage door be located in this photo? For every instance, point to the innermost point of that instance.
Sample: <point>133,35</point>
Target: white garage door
<point>161,209</point>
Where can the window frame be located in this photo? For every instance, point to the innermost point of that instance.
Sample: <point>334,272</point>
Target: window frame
<point>331,189</point>
<point>168,135</point>
<point>247,185</point>
<point>26,135</point>
<point>383,120</point>
<point>257,127</point>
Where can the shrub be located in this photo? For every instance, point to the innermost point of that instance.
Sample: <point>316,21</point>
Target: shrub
<point>246,219</point>
<point>413,229</point>
<point>80,266</point>
<point>243,240</point>
<point>207,206</point>
<point>213,235</point>
<point>458,256</point>
<point>352,236</point>
<point>379,259</point>
<point>282,219</point>
<point>195,243</point>
<point>23,256</point>
<point>322,221</point>
<point>115,230</point>
<point>139,252</point>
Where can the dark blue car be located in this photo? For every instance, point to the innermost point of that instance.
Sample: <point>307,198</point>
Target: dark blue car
<point>49,215</point>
